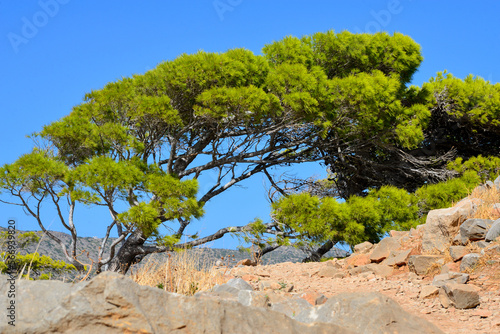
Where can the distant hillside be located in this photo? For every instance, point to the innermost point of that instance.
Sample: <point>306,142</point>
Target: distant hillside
<point>207,256</point>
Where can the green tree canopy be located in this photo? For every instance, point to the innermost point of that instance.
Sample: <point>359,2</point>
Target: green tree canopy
<point>138,146</point>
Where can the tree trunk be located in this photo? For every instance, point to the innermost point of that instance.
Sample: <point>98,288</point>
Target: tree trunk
<point>318,254</point>
<point>128,253</point>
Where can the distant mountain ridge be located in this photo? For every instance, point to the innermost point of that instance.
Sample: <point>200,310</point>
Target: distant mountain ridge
<point>91,246</point>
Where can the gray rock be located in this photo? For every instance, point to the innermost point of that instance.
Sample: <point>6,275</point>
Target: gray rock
<point>474,229</point>
<point>253,298</point>
<point>461,296</point>
<point>367,313</point>
<point>469,261</point>
<point>481,244</point>
<point>292,307</point>
<point>233,286</point>
<point>450,277</point>
<point>489,184</point>
<point>112,303</point>
<point>384,248</point>
<point>457,252</point>
<point>443,224</point>
<point>497,182</point>
<point>363,247</point>
<point>423,264</point>
<point>428,291</point>
<point>494,231</point>
<point>397,258</point>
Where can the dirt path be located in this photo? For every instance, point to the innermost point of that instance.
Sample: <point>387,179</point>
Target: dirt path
<point>403,287</point>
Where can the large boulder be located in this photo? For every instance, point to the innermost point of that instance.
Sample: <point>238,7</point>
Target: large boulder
<point>112,303</point>
<point>424,264</point>
<point>494,231</point>
<point>443,224</point>
<point>367,313</point>
<point>474,229</point>
<point>383,249</point>
<point>461,296</point>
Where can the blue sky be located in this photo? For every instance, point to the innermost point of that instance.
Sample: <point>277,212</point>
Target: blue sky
<point>54,51</point>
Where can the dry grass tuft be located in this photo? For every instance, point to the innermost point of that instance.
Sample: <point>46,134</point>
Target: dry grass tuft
<point>489,197</point>
<point>180,273</point>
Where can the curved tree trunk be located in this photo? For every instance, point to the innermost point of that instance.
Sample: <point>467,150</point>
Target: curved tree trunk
<point>318,253</point>
<point>128,252</point>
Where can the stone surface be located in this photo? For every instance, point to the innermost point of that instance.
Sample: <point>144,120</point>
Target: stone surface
<point>457,252</point>
<point>474,229</point>
<point>494,231</point>
<point>443,224</point>
<point>253,298</point>
<point>291,307</point>
<point>469,261</point>
<point>313,297</point>
<point>450,277</point>
<point>398,258</point>
<point>363,247</point>
<point>233,286</point>
<point>112,303</point>
<point>423,264</point>
<point>367,313</point>
<point>429,291</point>
<point>358,260</point>
<point>384,248</point>
<point>328,271</point>
<point>462,296</point>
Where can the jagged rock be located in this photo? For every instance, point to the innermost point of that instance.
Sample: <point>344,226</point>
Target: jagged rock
<point>481,244</point>
<point>291,307</point>
<point>384,248</point>
<point>469,261</point>
<point>497,182</point>
<point>494,231</point>
<point>358,260</point>
<point>253,298</point>
<point>112,303</point>
<point>429,291</point>
<point>450,277</point>
<point>233,286</point>
<point>457,252</point>
<point>474,229</point>
<point>397,258</point>
<point>441,225</point>
<point>398,234</point>
<point>423,264</point>
<point>367,313</point>
<point>363,247</point>
<point>461,296</point>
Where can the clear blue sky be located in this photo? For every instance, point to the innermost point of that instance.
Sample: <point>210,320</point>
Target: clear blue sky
<point>54,51</point>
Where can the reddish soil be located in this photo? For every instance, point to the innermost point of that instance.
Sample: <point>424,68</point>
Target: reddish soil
<point>402,286</point>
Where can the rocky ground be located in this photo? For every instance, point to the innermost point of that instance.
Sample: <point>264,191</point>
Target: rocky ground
<point>446,271</point>
<point>402,286</point>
